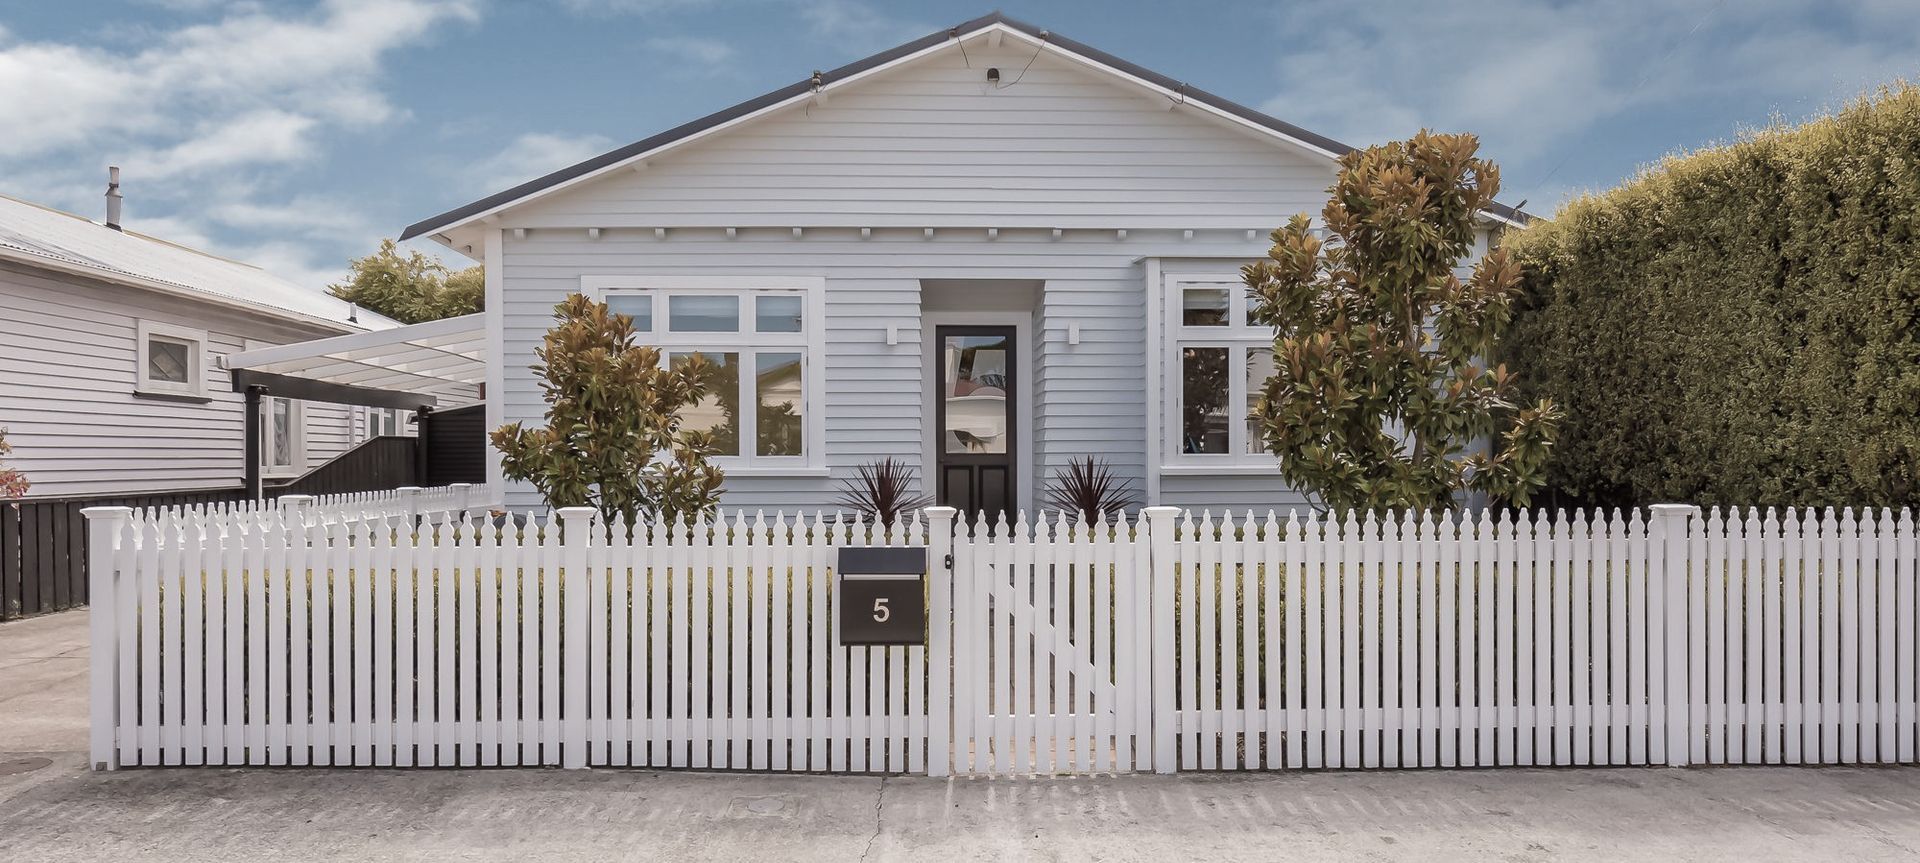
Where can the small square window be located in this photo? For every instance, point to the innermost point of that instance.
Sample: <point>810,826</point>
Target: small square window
<point>639,307</point>
<point>1205,307</point>
<point>170,360</point>
<point>703,313</point>
<point>777,313</point>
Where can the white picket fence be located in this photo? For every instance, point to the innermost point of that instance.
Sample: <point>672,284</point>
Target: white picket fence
<point>1176,641</point>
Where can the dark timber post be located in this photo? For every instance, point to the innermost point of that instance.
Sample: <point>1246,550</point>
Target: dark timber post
<point>423,438</point>
<point>250,426</point>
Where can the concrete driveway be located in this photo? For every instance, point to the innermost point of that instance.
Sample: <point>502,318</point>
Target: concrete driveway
<point>51,809</point>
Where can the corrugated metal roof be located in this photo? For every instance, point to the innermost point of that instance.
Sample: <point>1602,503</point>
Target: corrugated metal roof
<point>29,232</point>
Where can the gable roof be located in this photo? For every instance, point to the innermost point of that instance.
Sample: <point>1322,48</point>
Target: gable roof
<point>1311,141</point>
<point>50,239</point>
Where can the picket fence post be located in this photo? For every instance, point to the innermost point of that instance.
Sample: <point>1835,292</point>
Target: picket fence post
<point>409,500</point>
<point>940,638</point>
<point>1672,528</point>
<point>576,525</point>
<point>105,525</point>
<point>1160,569</point>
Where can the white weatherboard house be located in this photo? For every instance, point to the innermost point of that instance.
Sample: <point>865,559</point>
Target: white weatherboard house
<point>112,351</point>
<point>985,253</point>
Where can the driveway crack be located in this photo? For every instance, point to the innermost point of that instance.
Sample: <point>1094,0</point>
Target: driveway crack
<point>879,806</point>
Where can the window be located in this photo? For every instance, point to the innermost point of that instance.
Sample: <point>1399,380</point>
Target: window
<point>1217,365</point>
<point>760,341</point>
<point>283,435</point>
<point>381,422</point>
<point>172,360</point>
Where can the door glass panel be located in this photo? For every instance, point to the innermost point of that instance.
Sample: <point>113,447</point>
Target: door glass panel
<point>1203,400</point>
<point>776,313</point>
<point>1205,307</point>
<point>719,410</point>
<point>703,313</point>
<point>781,419</point>
<point>977,386</point>
<point>1259,368</point>
<point>639,307</point>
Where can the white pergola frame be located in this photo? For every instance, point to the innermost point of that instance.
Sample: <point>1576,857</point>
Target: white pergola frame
<point>445,359</point>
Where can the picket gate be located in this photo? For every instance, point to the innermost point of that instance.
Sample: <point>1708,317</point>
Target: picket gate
<point>375,633</point>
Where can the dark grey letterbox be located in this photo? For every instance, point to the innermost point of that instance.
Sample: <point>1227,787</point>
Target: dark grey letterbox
<point>883,595</point>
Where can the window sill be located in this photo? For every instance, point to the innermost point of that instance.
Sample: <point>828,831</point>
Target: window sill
<point>1272,470</point>
<point>163,396</point>
<point>797,472</point>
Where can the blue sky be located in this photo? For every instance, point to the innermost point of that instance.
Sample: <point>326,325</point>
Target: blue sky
<point>296,134</point>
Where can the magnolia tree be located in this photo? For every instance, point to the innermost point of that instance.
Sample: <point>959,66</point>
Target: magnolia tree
<point>12,482</point>
<point>1382,396</point>
<point>613,438</point>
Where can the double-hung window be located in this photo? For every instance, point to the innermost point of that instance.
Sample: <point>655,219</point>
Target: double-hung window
<point>1216,366</point>
<point>761,340</point>
<point>172,360</point>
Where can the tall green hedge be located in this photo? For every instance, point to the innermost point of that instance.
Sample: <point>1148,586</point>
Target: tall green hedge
<point>1739,325</point>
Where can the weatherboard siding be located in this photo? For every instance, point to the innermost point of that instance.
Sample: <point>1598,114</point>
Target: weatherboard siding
<point>67,372</point>
<point>931,144</point>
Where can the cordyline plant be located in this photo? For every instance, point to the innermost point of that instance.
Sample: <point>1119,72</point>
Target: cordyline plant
<point>1381,382</point>
<point>1089,488</point>
<point>613,438</point>
<point>12,482</point>
<point>882,492</point>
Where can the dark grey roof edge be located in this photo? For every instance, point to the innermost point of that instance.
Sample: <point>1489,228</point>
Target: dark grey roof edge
<point>858,66</point>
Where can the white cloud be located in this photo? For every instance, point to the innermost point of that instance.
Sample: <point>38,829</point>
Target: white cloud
<point>189,111</point>
<point>1535,79</point>
<point>706,53</point>
<point>533,155</point>
<point>629,7</point>
<point>857,25</point>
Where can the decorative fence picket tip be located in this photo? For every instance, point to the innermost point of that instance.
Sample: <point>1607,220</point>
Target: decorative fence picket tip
<point>400,630</point>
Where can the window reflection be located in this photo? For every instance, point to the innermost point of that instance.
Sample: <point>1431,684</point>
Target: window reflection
<point>1203,400</point>
<point>719,410</point>
<point>779,424</point>
<point>977,384</point>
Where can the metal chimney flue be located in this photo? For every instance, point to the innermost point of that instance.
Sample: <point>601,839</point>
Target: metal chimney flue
<point>113,197</point>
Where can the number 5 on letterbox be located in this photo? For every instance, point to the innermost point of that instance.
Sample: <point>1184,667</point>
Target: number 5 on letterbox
<point>883,595</point>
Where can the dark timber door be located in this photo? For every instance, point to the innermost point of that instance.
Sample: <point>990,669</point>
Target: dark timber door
<point>974,418</point>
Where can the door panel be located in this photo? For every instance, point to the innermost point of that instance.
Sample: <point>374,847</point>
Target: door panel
<point>975,419</point>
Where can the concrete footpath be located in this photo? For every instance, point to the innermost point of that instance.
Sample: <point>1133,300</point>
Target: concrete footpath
<point>52,809</point>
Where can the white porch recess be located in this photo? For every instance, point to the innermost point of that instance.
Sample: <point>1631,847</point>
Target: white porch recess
<point>1177,641</point>
<point>445,359</point>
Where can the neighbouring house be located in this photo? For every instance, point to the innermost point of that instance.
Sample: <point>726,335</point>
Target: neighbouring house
<point>985,252</point>
<point>115,388</point>
<point>111,360</point>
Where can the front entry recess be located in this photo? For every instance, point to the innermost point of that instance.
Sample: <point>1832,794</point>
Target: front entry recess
<point>975,420</point>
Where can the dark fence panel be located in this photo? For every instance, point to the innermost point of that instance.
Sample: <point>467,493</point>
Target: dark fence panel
<point>456,442</point>
<point>43,545</point>
<point>379,464</point>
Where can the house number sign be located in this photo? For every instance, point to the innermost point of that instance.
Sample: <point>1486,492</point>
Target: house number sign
<point>883,595</point>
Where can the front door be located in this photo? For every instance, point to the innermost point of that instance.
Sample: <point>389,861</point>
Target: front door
<point>974,418</point>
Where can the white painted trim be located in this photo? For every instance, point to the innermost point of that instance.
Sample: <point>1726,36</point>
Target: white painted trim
<point>1154,361</point>
<point>195,342</point>
<point>811,341</point>
<point>1025,463</point>
<point>1238,336</point>
<point>495,318</point>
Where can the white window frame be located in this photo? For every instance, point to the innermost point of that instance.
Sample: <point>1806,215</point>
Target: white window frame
<point>365,415</point>
<point>1238,337</point>
<point>196,344</point>
<point>810,343</point>
<point>297,415</point>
